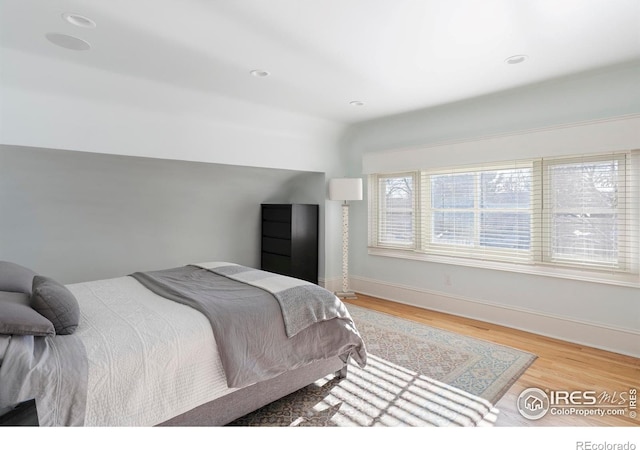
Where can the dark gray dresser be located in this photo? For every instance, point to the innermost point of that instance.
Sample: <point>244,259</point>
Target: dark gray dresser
<point>290,240</point>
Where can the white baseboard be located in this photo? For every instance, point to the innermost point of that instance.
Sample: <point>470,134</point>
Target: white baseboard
<point>596,335</point>
<point>331,284</point>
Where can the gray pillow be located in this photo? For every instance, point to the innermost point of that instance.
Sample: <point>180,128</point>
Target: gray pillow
<point>15,278</point>
<point>17,317</point>
<point>56,303</point>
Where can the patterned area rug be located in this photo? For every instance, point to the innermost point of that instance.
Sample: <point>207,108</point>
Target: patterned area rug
<point>416,375</point>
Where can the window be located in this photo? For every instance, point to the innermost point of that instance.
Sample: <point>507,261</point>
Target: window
<point>585,212</point>
<point>482,213</point>
<point>394,210</point>
<point>572,212</point>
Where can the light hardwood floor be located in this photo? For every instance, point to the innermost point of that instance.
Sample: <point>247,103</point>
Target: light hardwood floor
<point>560,365</point>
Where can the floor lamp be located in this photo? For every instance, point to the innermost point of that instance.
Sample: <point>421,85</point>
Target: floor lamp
<point>345,189</point>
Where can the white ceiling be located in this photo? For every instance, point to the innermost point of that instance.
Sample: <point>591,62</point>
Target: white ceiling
<point>394,55</point>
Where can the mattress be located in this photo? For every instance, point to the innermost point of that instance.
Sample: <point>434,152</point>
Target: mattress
<point>145,354</point>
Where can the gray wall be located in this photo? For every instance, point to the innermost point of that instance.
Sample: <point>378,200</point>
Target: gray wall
<point>80,216</point>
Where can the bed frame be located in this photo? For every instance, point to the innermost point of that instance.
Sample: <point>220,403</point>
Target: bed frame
<point>230,407</point>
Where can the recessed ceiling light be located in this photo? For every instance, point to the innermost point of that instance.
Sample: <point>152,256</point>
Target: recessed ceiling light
<point>259,73</point>
<point>68,42</point>
<point>78,20</point>
<point>356,103</point>
<point>516,59</point>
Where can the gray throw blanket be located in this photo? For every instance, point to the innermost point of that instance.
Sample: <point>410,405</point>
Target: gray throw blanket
<point>54,371</point>
<point>248,322</point>
<point>302,303</point>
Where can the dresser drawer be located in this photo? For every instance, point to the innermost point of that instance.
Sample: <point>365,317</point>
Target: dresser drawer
<point>276,263</point>
<point>276,214</point>
<point>278,230</point>
<point>278,246</point>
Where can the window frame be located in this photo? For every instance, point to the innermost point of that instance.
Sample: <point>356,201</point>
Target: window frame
<point>539,264</point>
<point>375,198</point>
<point>624,209</point>
<point>476,250</point>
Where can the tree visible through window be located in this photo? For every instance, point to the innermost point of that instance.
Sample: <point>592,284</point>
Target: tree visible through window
<point>397,210</point>
<point>582,211</point>
<point>479,211</point>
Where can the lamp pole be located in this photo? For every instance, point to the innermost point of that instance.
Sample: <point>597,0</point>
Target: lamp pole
<point>345,254</point>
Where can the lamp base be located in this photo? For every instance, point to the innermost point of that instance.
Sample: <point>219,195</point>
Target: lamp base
<point>347,294</point>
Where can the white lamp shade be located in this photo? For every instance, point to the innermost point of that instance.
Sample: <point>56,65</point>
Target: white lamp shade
<point>345,189</point>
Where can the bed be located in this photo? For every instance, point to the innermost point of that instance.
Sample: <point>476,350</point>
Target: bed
<point>153,348</point>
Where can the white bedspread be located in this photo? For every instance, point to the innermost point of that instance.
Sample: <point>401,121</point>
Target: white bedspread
<point>150,358</point>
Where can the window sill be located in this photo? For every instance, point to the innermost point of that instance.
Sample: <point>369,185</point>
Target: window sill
<point>617,279</point>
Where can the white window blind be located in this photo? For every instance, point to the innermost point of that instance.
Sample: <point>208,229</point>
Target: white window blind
<point>482,212</point>
<point>393,210</point>
<point>579,212</point>
<point>589,218</point>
